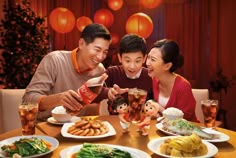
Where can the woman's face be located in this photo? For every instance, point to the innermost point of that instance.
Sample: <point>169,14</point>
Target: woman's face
<point>155,63</point>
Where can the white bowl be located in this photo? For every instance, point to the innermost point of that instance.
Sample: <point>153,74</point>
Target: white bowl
<point>172,113</point>
<point>60,115</point>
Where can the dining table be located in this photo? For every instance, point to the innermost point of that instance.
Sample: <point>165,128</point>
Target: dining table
<point>132,138</point>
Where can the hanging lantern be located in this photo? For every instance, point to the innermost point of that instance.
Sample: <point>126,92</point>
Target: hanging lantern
<point>115,4</point>
<point>150,3</point>
<point>82,22</point>
<point>140,24</point>
<point>115,38</point>
<point>104,16</point>
<point>62,20</point>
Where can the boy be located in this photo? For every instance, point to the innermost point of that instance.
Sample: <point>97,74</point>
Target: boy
<point>131,73</point>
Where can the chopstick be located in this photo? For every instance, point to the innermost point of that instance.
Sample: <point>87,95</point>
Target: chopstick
<point>40,129</point>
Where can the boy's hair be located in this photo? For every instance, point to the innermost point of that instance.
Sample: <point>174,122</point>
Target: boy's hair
<point>132,43</point>
<point>94,30</point>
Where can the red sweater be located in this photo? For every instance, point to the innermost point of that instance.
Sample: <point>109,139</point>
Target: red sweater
<point>181,97</point>
<point>117,76</point>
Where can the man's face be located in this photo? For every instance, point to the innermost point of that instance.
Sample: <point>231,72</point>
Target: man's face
<point>93,53</point>
<point>132,62</point>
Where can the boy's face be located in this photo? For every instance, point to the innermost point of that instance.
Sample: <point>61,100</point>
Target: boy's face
<point>132,62</point>
<point>90,55</point>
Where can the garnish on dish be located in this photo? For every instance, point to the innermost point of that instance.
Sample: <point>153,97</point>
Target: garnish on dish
<point>184,146</point>
<point>99,151</point>
<point>185,128</point>
<point>26,147</point>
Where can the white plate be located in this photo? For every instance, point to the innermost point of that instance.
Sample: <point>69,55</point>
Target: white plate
<point>135,153</point>
<point>222,137</point>
<point>65,127</point>
<point>154,146</point>
<point>53,121</point>
<point>54,142</point>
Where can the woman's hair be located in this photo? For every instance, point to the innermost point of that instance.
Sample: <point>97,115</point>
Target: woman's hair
<point>170,53</point>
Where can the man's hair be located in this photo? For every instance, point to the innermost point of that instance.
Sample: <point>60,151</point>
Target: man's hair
<point>94,30</point>
<point>132,43</point>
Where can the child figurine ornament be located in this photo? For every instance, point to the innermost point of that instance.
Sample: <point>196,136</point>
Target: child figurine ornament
<point>150,109</point>
<point>121,107</point>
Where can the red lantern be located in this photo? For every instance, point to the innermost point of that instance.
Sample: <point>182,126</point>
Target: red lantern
<point>115,4</point>
<point>140,24</point>
<point>115,38</point>
<point>82,22</point>
<point>62,20</point>
<point>150,3</point>
<point>104,16</point>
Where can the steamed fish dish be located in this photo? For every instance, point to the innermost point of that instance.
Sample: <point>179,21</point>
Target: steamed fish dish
<point>185,128</point>
<point>184,146</point>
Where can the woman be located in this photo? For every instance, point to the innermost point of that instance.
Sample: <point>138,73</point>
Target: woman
<point>169,88</point>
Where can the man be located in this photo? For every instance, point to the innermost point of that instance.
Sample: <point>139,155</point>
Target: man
<point>61,73</point>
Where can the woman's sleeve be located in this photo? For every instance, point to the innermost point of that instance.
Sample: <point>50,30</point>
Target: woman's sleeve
<point>186,102</point>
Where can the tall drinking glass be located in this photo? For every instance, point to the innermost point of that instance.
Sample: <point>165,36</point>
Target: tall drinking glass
<point>136,99</point>
<point>28,114</point>
<point>209,109</point>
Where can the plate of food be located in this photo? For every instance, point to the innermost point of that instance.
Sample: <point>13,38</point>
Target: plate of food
<point>89,149</point>
<point>88,129</point>
<point>28,146</point>
<point>184,128</point>
<point>182,146</point>
<point>55,122</point>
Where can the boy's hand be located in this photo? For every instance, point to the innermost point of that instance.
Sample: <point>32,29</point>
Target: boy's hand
<point>115,90</point>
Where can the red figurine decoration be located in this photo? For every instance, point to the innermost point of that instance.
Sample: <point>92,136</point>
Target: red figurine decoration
<point>120,106</point>
<point>150,109</point>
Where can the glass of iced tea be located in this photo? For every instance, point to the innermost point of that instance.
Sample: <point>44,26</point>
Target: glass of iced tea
<point>209,109</point>
<point>28,114</point>
<point>136,99</point>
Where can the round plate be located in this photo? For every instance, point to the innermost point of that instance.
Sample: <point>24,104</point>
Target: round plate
<point>66,126</point>
<point>135,153</point>
<point>154,146</point>
<point>55,122</point>
<point>54,142</point>
<point>222,137</point>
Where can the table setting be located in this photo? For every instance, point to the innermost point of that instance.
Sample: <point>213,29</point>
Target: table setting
<point>69,137</point>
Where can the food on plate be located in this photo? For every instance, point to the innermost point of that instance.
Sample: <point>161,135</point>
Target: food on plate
<point>100,151</point>
<point>184,146</point>
<point>26,147</point>
<point>185,128</point>
<point>172,113</point>
<point>59,114</point>
<point>88,128</point>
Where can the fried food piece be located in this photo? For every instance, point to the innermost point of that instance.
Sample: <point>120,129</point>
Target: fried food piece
<point>85,132</point>
<point>91,132</point>
<point>81,123</point>
<point>88,128</point>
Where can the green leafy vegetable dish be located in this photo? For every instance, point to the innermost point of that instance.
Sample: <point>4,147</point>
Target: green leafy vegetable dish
<point>101,151</point>
<point>27,147</point>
